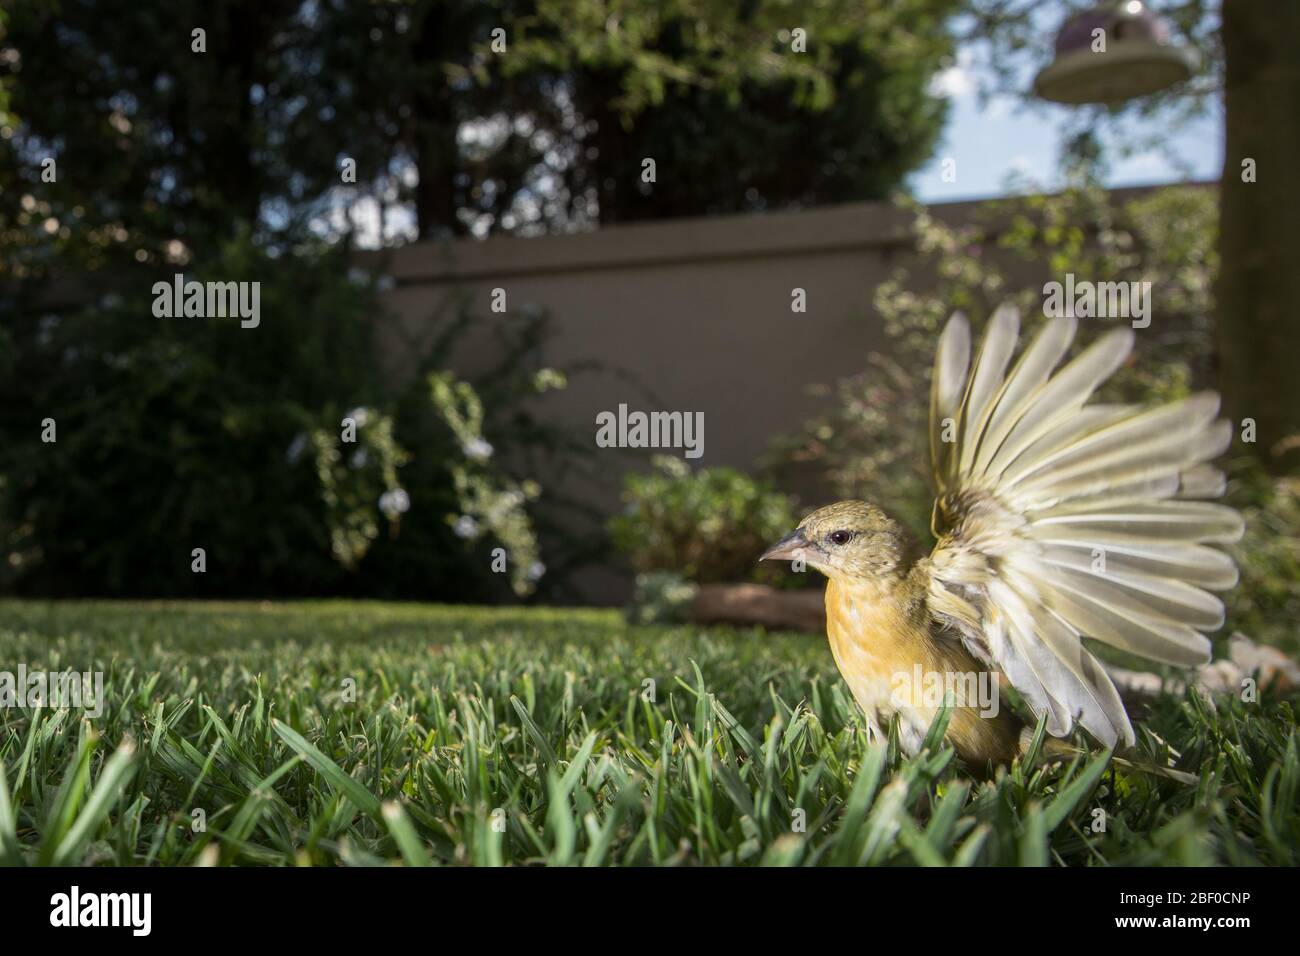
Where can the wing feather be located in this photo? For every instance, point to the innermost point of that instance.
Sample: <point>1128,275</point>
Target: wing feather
<point>1028,375</point>
<point>1085,689</point>
<point>1193,563</point>
<point>1064,394</point>
<point>1156,520</point>
<point>991,365</point>
<point>1012,647</point>
<point>1063,520</point>
<point>1169,425</point>
<point>1202,481</point>
<point>946,387</point>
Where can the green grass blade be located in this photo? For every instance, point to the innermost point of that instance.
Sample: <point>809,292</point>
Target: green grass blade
<point>1082,785</point>
<point>107,791</point>
<point>362,798</point>
<point>404,835</point>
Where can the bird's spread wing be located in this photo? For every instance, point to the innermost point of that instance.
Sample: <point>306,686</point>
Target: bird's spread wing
<point>1058,520</point>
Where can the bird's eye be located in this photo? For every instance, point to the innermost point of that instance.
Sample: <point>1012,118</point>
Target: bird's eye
<point>840,537</point>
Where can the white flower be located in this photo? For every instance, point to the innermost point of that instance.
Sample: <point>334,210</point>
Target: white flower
<point>478,449</point>
<point>395,502</point>
<point>536,570</point>
<point>465,526</point>
<point>359,415</point>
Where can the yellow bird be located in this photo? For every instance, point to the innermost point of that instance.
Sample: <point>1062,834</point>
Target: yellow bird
<point>1055,520</point>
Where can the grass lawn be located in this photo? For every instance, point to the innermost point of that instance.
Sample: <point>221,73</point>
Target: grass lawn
<point>231,734</point>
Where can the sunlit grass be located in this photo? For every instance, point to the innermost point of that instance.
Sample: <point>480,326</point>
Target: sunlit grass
<point>327,733</point>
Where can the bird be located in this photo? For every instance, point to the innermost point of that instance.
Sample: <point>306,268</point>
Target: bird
<point>1056,520</point>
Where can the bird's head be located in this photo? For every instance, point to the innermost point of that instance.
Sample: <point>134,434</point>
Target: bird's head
<point>849,540</point>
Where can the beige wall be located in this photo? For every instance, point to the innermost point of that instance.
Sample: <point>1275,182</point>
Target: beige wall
<point>697,311</point>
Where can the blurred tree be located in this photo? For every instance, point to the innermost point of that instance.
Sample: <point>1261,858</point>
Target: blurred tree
<point>154,142</point>
<point>175,433</point>
<point>129,439</point>
<point>1259,243</point>
<point>6,81</point>
<point>461,115</point>
<point>742,106</point>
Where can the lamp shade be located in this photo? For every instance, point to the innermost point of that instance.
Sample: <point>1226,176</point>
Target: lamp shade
<point>1137,59</point>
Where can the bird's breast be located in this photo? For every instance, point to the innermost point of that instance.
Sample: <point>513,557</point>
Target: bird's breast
<point>873,640</point>
<point>888,657</point>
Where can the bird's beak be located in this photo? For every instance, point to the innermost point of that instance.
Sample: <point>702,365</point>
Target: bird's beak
<point>790,548</point>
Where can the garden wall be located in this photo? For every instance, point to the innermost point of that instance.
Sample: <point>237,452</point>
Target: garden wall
<point>691,315</point>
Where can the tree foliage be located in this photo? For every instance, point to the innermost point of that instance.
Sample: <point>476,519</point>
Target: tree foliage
<point>453,126</point>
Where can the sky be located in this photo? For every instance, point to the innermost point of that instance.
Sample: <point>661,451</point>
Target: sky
<point>1007,137</point>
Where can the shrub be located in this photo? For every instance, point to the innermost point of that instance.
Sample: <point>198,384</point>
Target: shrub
<point>708,526</point>
<point>1265,604</point>
<point>174,434</point>
<point>183,433</point>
